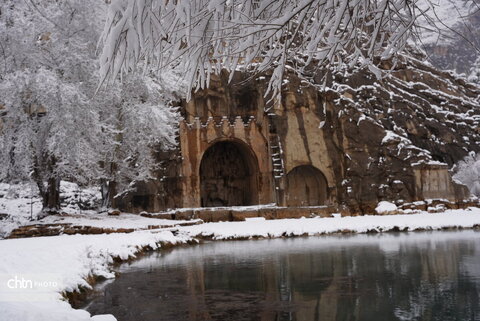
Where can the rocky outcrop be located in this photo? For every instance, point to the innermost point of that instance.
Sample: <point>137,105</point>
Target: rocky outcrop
<point>352,139</point>
<point>414,115</point>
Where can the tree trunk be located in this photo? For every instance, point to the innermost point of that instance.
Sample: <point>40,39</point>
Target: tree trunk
<point>51,197</point>
<point>104,192</point>
<point>112,191</point>
<point>109,190</point>
<point>51,193</point>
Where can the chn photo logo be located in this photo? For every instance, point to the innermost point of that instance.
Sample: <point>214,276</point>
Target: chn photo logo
<point>19,283</point>
<point>27,283</point>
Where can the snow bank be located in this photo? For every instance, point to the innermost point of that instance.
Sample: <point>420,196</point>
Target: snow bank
<point>62,263</point>
<point>35,271</point>
<point>359,224</point>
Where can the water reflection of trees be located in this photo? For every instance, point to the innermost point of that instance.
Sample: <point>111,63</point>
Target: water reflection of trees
<point>428,280</point>
<point>424,282</point>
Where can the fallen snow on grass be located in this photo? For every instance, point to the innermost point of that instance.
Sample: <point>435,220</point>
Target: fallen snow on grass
<point>358,224</point>
<point>35,271</point>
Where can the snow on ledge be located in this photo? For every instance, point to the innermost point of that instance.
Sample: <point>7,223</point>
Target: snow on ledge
<point>430,163</point>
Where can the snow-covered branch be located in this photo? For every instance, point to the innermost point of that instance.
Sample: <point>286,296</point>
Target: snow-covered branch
<point>206,36</point>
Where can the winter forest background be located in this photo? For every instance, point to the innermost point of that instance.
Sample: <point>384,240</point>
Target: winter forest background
<point>88,88</point>
<point>70,131</point>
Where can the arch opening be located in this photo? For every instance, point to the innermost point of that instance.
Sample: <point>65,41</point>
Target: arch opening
<point>306,186</point>
<point>228,175</point>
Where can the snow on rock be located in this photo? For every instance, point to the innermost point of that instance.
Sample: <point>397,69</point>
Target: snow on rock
<point>103,317</point>
<point>62,263</point>
<point>430,162</point>
<point>385,207</point>
<point>391,137</point>
<point>231,208</point>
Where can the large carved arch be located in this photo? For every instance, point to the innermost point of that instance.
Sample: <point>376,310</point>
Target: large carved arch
<point>228,175</point>
<point>306,186</point>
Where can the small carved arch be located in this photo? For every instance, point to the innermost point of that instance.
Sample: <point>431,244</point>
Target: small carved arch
<point>228,175</point>
<point>306,186</point>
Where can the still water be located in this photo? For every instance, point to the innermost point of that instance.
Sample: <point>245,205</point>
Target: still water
<point>404,276</point>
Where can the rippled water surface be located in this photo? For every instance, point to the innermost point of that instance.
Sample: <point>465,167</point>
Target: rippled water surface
<point>405,276</point>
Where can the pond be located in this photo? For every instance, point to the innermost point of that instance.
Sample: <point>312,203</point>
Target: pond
<point>400,276</point>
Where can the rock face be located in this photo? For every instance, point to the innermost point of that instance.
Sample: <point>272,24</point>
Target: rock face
<point>356,141</point>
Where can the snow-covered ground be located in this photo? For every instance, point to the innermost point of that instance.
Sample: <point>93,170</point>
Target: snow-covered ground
<point>51,265</point>
<point>259,227</point>
<point>62,263</point>
<point>22,205</point>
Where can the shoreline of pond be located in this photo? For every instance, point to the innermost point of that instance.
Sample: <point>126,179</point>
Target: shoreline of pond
<point>79,300</point>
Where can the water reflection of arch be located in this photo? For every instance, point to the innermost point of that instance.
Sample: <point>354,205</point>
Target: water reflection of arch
<point>306,186</point>
<point>228,174</point>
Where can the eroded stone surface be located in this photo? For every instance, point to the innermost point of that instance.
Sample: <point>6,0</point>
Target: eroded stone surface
<point>370,139</point>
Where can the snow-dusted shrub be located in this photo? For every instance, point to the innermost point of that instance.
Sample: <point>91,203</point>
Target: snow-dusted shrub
<point>467,172</point>
<point>75,197</point>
